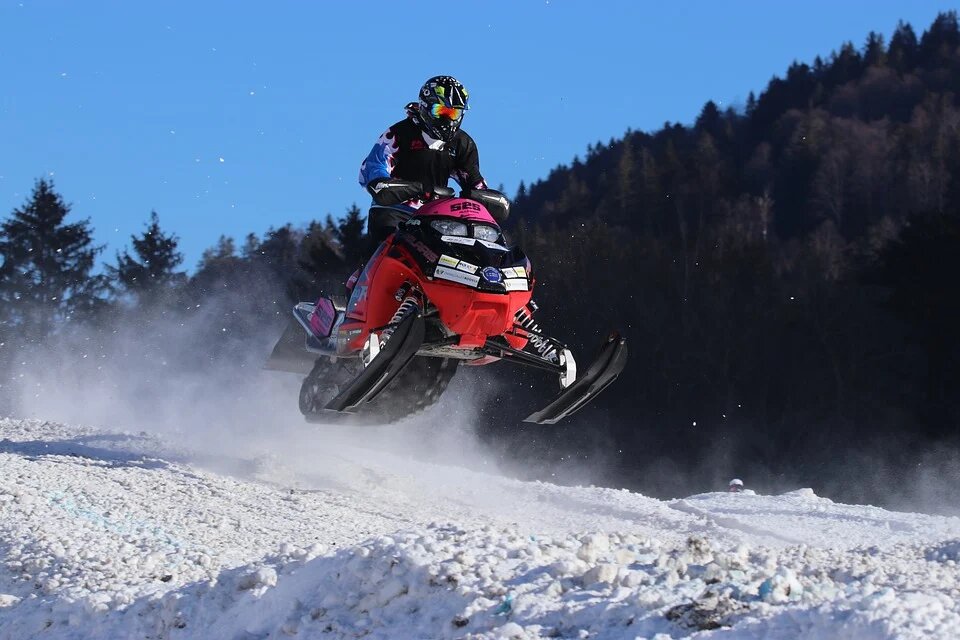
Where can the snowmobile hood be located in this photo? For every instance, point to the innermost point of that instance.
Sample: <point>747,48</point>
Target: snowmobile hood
<point>462,208</point>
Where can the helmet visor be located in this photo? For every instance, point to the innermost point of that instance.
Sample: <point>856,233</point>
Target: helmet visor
<point>440,111</point>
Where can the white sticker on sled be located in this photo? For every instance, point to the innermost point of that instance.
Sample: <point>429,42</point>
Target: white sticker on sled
<point>466,266</point>
<point>448,261</point>
<point>515,284</point>
<point>492,245</point>
<point>456,276</point>
<point>458,240</point>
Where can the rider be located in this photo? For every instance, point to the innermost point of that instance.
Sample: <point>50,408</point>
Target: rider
<point>420,153</point>
<point>414,158</point>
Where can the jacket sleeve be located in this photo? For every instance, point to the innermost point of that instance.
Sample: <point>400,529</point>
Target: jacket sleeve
<point>466,171</point>
<point>379,162</point>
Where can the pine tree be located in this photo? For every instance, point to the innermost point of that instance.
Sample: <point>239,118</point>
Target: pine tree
<point>45,278</point>
<point>251,247</point>
<point>874,53</point>
<point>351,236</point>
<point>626,180</point>
<point>320,260</point>
<point>709,119</point>
<point>225,250</point>
<point>941,41</point>
<point>154,266</point>
<point>845,66</point>
<point>521,192</point>
<point>279,249</point>
<point>222,272</point>
<point>904,48</point>
<point>278,255</point>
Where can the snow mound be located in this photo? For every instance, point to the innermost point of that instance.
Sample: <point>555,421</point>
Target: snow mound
<point>447,582</point>
<point>120,536</point>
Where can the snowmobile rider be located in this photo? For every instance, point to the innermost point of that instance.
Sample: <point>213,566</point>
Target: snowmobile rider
<point>421,153</point>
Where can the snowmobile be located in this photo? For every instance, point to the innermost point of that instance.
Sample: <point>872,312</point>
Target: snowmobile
<point>442,290</point>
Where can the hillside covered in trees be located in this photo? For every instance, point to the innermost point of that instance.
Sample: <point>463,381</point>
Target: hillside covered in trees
<point>785,274</point>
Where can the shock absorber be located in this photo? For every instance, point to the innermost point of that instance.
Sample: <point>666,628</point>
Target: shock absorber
<point>409,304</point>
<point>541,344</point>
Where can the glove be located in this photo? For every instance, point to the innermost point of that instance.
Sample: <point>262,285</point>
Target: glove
<point>496,203</point>
<point>387,191</point>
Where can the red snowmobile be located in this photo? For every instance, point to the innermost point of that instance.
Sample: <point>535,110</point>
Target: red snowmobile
<point>442,290</point>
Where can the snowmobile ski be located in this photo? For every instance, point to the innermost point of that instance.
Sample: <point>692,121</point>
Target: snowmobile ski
<point>390,361</point>
<point>604,370</point>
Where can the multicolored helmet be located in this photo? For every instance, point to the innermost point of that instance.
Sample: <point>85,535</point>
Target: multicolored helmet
<point>442,103</point>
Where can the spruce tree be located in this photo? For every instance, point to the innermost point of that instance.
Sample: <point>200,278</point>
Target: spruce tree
<point>279,250</point>
<point>874,52</point>
<point>351,236</point>
<point>521,192</point>
<point>251,247</point>
<point>278,257</point>
<point>45,278</point>
<point>904,48</point>
<point>320,260</point>
<point>940,42</point>
<point>154,263</point>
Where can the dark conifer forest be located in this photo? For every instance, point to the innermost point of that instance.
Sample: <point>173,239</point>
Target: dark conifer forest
<point>785,273</point>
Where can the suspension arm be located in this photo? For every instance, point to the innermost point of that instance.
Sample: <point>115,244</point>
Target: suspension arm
<point>499,348</point>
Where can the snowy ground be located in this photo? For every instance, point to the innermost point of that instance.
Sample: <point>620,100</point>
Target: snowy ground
<point>125,535</point>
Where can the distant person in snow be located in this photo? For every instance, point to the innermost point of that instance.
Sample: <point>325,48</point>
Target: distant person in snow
<point>421,153</point>
<point>735,486</point>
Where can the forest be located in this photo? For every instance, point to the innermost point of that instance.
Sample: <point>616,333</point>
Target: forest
<point>784,273</point>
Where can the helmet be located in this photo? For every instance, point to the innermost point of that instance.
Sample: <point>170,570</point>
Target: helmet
<point>440,110</point>
<point>736,485</point>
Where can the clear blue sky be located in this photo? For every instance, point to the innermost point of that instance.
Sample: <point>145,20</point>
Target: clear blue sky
<point>232,116</point>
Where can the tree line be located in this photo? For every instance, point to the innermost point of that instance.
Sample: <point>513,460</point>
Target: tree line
<point>54,297</point>
<point>784,272</point>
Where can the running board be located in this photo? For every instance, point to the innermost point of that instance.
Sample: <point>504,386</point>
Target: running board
<point>395,355</point>
<point>604,370</point>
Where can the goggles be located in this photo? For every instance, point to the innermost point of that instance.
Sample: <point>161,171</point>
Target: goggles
<point>442,111</point>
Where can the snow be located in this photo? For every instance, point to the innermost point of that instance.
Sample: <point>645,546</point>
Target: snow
<point>128,535</point>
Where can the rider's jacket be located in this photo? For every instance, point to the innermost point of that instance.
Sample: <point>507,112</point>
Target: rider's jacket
<point>404,151</point>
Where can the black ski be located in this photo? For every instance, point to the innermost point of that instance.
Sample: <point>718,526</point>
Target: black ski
<point>399,349</point>
<point>604,370</point>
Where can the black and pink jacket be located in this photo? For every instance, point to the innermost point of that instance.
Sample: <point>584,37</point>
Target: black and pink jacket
<point>405,152</point>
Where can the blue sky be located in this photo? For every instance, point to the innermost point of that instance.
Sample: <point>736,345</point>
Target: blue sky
<point>231,116</point>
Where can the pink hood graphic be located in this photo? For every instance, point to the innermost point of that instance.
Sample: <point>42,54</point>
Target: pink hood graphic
<point>458,208</point>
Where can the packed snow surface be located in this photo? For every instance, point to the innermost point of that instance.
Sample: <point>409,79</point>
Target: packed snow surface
<point>124,535</point>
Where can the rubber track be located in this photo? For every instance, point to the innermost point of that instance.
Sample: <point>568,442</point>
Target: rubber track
<point>417,388</point>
